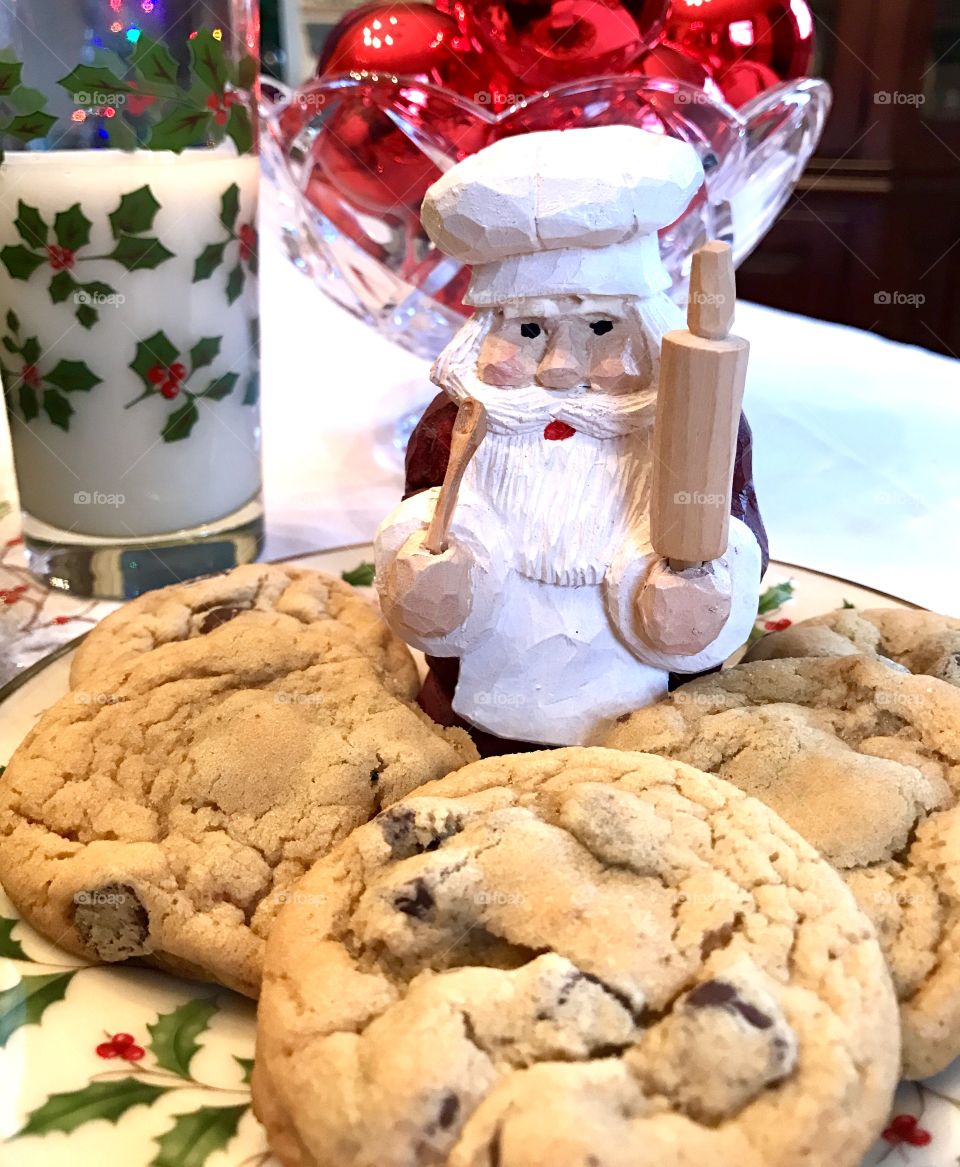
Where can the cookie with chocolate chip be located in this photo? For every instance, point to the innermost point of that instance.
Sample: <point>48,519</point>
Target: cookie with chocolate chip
<point>574,957</point>
<point>922,642</point>
<point>864,761</point>
<point>163,810</point>
<point>182,611</point>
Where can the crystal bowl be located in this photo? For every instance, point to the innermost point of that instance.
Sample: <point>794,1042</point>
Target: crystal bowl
<point>352,157</point>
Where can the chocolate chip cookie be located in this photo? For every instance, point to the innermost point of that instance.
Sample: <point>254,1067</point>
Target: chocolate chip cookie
<point>574,957</point>
<point>193,609</point>
<point>920,641</point>
<point>864,761</point>
<point>163,810</point>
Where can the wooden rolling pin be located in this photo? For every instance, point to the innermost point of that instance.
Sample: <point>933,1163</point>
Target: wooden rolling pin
<point>469,430</point>
<point>702,374</point>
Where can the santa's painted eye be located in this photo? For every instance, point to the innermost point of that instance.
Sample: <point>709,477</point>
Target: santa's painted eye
<point>602,326</point>
<point>529,330</point>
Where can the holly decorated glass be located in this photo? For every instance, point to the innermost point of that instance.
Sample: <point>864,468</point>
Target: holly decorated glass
<point>128,286</point>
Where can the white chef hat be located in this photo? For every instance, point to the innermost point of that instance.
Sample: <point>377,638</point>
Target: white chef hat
<point>563,212</point>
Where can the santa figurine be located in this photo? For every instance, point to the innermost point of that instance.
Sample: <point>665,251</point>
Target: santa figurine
<point>548,614</point>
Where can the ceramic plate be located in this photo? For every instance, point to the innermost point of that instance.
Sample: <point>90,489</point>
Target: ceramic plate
<point>135,1068</point>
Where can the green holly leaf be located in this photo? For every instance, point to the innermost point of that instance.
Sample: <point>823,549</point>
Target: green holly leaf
<point>140,252</point>
<point>9,947</point>
<point>155,350</point>
<point>107,1100</point>
<point>9,76</point>
<point>173,1036</point>
<point>156,66</point>
<point>93,85</point>
<point>9,345</point>
<point>26,1002</point>
<point>72,228</point>
<point>774,598</point>
<point>207,61</point>
<point>27,126</point>
<point>230,207</point>
<point>204,352</point>
<point>72,377</point>
<point>29,403</point>
<point>235,281</point>
<point>135,214</point>
<point>31,350</point>
<point>13,321</point>
<point>247,71</point>
<point>179,424</point>
<point>361,576</point>
<point>26,100</point>
<point>121,135</point>
<point>57,408</point>
<point>847,604</point>
<point>194,1137</point>
<point>182,129</point>
<point>221,387</point>
<point>20,262</point>
<point>208,261</point>
<point>62,287</point>
<point>251,393</point>
<point>245,1064</point>
<point>30,226</point>
<point>87,316</point>
<point>239,129</point>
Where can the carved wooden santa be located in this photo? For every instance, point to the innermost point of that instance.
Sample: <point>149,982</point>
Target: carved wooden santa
<point>545,617</point>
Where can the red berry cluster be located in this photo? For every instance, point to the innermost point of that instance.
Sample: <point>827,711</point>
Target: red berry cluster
<point>11,595</point>
<point>61,258</point>
<point>31,376</point>
<point>905,1128</point>
<point>168,379</point>
<point>220,104</point>
<point>248,242</point>
<point>121,1045</point>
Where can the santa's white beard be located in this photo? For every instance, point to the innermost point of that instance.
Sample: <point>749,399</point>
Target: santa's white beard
<point>566,505</point>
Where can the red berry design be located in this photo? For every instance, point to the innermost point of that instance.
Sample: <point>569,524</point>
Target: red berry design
<point>167,380</point>
<point>121,1045</point>
<point>905,1128</point>
<point>220,104</point>
<point>31,376</point>
<point>62,619</point>
<point>61,258</point>
<point>11,595</point>
<point>558,431</point>
<point>248,242</point>
<point>777,625</point>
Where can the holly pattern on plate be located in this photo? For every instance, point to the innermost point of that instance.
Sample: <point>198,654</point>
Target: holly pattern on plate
<point>29,387</point>
<point>214,254</point>
<point>22,113</point>
<point>160,103</point>
<point>62,245</point>
<point>161,368</point>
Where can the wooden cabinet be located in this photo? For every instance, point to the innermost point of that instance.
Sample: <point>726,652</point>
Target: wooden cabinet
<point>872,235</point>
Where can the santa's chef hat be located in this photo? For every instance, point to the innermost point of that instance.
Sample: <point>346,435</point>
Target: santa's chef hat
<point>563,212</point>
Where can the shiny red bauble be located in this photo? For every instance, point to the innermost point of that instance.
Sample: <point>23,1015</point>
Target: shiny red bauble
<point>671,63</point>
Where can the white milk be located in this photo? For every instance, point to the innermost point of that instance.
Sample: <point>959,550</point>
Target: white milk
<point>112,474</point>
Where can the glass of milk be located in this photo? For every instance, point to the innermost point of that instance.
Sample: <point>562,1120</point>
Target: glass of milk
<point>128,287</point>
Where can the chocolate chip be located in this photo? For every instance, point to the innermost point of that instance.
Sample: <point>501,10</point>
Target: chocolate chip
<point>217,616</point>
<point>397,826</point>
<point>449,1109</point>
<point>374,776</point>
<point>720,994</point>
<point>415,900</point>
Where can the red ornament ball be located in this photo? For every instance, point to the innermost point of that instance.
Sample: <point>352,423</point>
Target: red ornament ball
<point>724,34</point>
<point>747,80</point>
<point>547,42</point>
<point>669,62</point>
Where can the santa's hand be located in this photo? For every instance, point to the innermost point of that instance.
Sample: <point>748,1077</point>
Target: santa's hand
<point>426,594</point>
<point>681,613</point>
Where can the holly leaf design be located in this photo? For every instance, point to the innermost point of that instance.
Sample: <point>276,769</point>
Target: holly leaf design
<point>30,225</point>
<point>251,394</point>
<point>9,345</point>
<point>207,61</point>
<point>72,228</point>
<point>9,76</point>
<point>20,262</point>
<point>240,129</point>
<point>361,576</point>
<point>87,316</point>
<point>173,1036</point>
<point>9,947</point>
<point>156,66</point>
<point>72,377</point>
<point>182,129</point>
<point>88,82</point>
<point>31,350</point>
<point>29,404</point>
<point>26,1002</point>
<point>208,261</point>
<point>107,1100</point>
<point>62,287</point>
<point>140,252</point>
<point>13,321</point>
<point>26,100</point>
<point>230,207</point>
<point>27,126</point>
<point>221,387</point>
<point>57,408</point>
<point>135,214</point>
<point>155,350</point>
<point>194,1137</point>
<point>204,352</point>
<point>246,1065</point>
<point>774,597</point>
<point>235,281</point>
<point>247,72</point>
<point>179,424</point>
